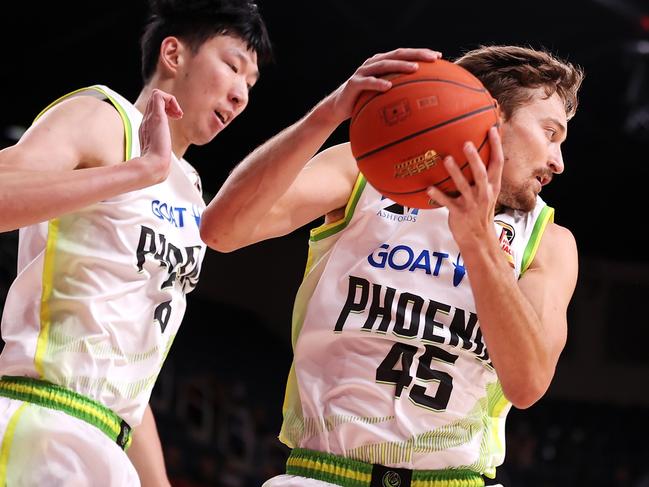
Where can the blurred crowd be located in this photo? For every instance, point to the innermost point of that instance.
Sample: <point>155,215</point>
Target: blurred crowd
<point>217,434</point>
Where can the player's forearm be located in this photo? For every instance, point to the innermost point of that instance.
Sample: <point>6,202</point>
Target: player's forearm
<point>28,197</point>
<point>261,179</point>
<point>511,327</point>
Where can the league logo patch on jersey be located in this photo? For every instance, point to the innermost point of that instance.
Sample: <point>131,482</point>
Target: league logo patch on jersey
<point>506,238</point>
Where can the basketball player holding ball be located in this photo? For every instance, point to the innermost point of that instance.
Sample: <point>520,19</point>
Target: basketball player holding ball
<point>395,381</point>
<point>101,285</point>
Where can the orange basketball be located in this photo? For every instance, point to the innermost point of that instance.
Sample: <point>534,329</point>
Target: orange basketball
<point>400,137</point>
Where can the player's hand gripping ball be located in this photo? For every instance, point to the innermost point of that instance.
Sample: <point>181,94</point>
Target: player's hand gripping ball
<point>400,137</point>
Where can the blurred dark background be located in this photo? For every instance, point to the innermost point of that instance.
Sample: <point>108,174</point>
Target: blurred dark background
<point>218,400</point>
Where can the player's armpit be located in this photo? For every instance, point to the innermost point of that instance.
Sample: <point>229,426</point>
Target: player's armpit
<point>324,185</point>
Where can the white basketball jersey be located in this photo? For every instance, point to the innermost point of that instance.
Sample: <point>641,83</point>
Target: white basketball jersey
<point>390,366</point>
<point>100,293</point>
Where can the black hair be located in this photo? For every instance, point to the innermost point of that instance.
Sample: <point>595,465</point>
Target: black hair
<point>197,21</point>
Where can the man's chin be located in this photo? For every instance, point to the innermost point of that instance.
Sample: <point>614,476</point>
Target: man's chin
<point>207,138</point>
<point>527,205</point>
<point>520,202</point>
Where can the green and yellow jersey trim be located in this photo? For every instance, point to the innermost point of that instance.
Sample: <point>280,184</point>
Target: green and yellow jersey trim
<point>47,286</point>
<point>332,228</point>
<point>546,216</point>
<point>128,129</point>
<point>49,264</point>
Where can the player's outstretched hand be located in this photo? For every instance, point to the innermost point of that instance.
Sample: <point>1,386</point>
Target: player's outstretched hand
<point>370,77</point>
<point>155,137</point>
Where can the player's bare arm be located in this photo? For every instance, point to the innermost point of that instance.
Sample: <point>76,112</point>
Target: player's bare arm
<point>323,186</point>
<point>72,155</point>
<point>548,284</point>
<point>523,322</point>
<point>255,202</point>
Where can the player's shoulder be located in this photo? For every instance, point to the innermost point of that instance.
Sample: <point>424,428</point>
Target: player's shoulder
<point>80,117</point>
<point>336,153</point>
<point>337,159</point>
<point>556,252</point>
<point>558,246</point>
<point>82,108</point>
<point>559,235</point>
<point>92,125</point>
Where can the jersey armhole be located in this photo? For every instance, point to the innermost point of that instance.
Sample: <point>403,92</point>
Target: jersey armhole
<point>328,229</point>
<point>545,216</point>
<point>128,129</point>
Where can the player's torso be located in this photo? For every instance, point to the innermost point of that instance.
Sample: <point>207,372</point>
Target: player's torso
<point>390,361</point>
<point>100,293</point>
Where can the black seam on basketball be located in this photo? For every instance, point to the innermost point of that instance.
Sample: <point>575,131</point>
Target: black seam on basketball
<point>484,141</point>
<point>423,131</point>
<point>479,90</point>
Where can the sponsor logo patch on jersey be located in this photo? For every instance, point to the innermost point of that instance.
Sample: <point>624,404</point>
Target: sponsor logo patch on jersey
<point>396,212</point>
<point>404,258</point>
<point>171,213</point>
<point>458,271</point>
<point>174,214</point>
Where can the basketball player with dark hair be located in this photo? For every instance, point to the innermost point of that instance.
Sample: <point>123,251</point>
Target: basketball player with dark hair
<point>101,284</point>
<point>395,381</point>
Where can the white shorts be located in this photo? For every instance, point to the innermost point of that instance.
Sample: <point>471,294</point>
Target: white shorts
<point>41,446</point>
<point>296,481</point>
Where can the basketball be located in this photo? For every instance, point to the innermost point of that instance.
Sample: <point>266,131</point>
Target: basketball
<point>400,137</point>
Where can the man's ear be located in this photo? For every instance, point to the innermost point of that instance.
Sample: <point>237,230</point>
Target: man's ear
<point>172,52</point>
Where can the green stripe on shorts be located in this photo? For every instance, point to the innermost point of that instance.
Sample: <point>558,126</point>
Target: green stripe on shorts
<point>352,473</point>
<point>51,396</point>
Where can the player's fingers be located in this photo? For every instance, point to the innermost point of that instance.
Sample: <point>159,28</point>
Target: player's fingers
<point>154,110</point>
<point>172,107</point>
<point>167,102</point>
<point>438,198</point>
<point>475,161</point>
<point>387,66</point>
<point>162,102</point>
<point>369,83</point>
<point>458,178</point>
<point>496,159</point>
<point>407,54</point>
<point>477,167</point>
